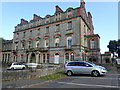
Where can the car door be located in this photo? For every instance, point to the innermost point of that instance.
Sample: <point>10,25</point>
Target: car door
<point>75,68</point>
<point>86,68</point>
<point>20,66</point>
<point>15,65</point>
<point>79,67</point>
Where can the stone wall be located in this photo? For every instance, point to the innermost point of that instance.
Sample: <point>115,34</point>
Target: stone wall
<point>31,73</point>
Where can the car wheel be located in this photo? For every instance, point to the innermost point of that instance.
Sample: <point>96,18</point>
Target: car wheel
<point>12,68</point>
<point>69,73</point>
<point>23,68</point>
<point>95,73</point>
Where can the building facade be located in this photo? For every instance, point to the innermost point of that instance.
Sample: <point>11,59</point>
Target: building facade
<point>106,58</point>
<point>64,36</point>
<point>1,40</point>
<point>7,51</point>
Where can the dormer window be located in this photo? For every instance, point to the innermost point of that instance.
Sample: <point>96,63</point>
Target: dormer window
<point>69,12</point>
<point>58,16</point>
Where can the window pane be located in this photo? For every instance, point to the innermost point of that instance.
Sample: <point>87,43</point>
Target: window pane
<point>48,57</point>
<point>46,43</point>
<point>69,41</point>
<point>47,29</point>
<point>58,27</point>
<point>57,42</point>
<point>43,58</point>
<point>67,56</point>
<point>37,43</point>
<point>69,26</point>
<point>72,57</point>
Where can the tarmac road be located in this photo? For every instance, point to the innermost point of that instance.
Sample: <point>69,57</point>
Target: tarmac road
<point>111,80</point>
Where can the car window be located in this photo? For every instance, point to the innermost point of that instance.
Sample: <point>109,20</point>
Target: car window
<point>19,64</point>
<point>71,64</point>
<point>80,64</point>
<point>15,64</point>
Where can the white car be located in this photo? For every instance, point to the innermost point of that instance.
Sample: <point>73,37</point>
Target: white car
<point>32,65</point>
<point>15,65</point>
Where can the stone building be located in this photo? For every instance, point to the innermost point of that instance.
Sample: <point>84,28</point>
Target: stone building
<point>106,58</point>
<point>6,51</point>
<point>1,40</point>
<point>66,35</point>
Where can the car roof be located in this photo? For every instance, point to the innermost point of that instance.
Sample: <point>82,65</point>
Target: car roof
<point>75,61</point>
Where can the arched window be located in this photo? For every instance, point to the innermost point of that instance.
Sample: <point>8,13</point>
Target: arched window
<point>37,43</point>
<point>46,42</point>
<point>57,40</point>
<point>72,56</point>
<point>67,56</point>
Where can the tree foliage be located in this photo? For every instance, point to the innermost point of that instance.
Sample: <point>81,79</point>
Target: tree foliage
<point>114,46</point>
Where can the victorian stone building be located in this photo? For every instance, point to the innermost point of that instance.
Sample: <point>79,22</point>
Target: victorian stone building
<point>66,35</point>
<point>6,51</point>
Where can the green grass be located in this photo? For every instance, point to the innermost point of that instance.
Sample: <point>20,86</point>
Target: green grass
<point>54,76</point>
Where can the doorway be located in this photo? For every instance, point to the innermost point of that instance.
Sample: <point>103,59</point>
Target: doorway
<point>56,58</point>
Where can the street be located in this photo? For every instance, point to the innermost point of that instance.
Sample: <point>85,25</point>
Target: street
<point>84,81</point>
<point>111,80</point>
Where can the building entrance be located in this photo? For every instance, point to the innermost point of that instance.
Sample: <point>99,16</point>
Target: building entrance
<point>32,58</point>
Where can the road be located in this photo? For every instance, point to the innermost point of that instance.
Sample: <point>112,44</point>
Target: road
<point>111,80</point>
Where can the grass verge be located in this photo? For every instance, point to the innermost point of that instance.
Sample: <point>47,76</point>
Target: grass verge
<point>54,76</point>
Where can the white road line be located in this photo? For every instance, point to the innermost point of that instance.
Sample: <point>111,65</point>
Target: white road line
<point>113,74</point>
<point>107,86</point>
<point>94,78</point>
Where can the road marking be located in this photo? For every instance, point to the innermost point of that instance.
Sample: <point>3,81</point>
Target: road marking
<point>107,86</point>
<point>113,74</point>
<point>94,78</point>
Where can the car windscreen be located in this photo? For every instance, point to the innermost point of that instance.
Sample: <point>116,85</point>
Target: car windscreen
<point>9,64</point>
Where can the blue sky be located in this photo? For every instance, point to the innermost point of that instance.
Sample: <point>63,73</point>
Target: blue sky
<point>105,17</point>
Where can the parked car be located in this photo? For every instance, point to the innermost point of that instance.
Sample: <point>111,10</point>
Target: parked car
<point>83,67</point>
<point>15,65</point>
<point>32,65</point>
<point>118,61</point>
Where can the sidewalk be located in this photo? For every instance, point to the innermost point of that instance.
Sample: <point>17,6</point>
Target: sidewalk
<point>22,83</point>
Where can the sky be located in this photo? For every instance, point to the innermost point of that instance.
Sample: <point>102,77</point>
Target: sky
<point>104,16</point>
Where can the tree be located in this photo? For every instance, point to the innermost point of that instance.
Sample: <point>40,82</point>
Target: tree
<point>118,48</point>
<point>112,46</point>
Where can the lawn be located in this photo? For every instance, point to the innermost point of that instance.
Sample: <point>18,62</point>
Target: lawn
<point>54,76</point>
